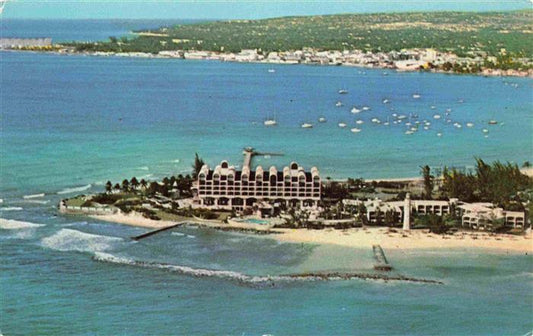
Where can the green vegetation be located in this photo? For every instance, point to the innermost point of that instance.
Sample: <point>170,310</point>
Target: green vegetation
<point>498,183</point>
<point>463,33</point>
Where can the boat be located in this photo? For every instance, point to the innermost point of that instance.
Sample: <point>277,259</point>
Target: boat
<point>322,119</point>
<point>439,134</point>
<point>366,108</point>
<point>271,70</point>
<point>436,116</point>
<point>355,110</point>
<point>469,124</point>
<point>493,122</point>
<point>270,122</point>
<point>355,130</point>
<point>409,132</point>
<point>338,104</point>
<point>386,101</point>
<point>485,130</point>
<point>342,125</point>
<point>343,91</point>
<point>432,107</point>
<point>416,96</point>
<point>359,122</point>
<point>375,120</point>
<point>307,125</point>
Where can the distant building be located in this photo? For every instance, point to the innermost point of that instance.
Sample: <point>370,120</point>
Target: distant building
<point>224,187</point>
<point>483,216</point>
<point>6,43</point>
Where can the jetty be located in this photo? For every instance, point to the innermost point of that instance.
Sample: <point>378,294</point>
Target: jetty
<point>382,264</point>
<point>250,152</point>
<point>153,232</point>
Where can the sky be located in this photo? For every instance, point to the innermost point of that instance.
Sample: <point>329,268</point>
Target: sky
<point>234,9</point>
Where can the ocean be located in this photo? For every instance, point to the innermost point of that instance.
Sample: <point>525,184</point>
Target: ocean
<point>70,123</point>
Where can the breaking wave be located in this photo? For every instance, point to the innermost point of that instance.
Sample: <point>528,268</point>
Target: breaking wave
<point>144,168</point>
<point>73,190</point>
<point>179,234</point>
<point>34,201</point>
<point>11,224</point>
<point>11,209</point>
<point>74,240</point>
<point>33,196</point>
<point>196,272</point>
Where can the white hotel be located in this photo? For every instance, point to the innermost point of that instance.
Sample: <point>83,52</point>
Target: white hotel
<point>227,188</point>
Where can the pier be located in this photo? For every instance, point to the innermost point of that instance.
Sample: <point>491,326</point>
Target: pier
<point>151,233</point>
<point>382,263</point>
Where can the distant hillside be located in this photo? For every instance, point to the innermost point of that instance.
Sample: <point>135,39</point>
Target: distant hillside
<point>458,32</point>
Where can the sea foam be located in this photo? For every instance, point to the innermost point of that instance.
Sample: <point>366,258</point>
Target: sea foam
<point>11,224</point>
<point>33,196</point>
<point>11,209</point>
<point>74,240</point>
<point>73,190</point>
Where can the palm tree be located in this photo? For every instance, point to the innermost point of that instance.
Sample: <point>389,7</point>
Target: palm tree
<point>143,183</point>
<point>125,185</point>
<point>134,183</point>
<point>117,186</point>
<point>197,165</point>
<point>108,187</point>
<point>428,181</point>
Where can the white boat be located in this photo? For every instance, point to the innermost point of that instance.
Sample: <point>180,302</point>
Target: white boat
<point>409,132</point>
<point>416,96</point>
<point>271,70</point>
<point>432,107</point>
<point>386,123</point>
<point>366,108</point>
<point>436,116</point>
<point>485,130</point>
<point>386,101</point>
<point>270,122</point>
<point>359,122</point>
<point>375,120</point>
<point>342,125</point>
<point>355,130</point>
<point>469,124</point>
<point>338,104</point>
<point>439,134</point>
<point>322,119</point>
<point>307,125</point>
<point>343,91</point>
<point>493,122</point>
<point>355,110</point>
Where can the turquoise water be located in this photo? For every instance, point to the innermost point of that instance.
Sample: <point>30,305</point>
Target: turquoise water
<point>70,123</point>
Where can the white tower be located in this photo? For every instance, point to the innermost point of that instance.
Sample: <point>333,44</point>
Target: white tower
<point>407,212</point>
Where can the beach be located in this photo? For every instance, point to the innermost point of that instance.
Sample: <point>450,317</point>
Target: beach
<point>364,237</point>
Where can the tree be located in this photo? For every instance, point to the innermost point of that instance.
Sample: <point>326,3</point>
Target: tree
<point>143,183</point>
<point>117,186</point>
<point>134,183</point>
<point>197,165</point>
<point>390,218</point>
<point>428,181</point>
<point>108,186</point>
<point>125,185</point>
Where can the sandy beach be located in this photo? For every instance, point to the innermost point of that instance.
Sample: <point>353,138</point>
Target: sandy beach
<point>366,237</point>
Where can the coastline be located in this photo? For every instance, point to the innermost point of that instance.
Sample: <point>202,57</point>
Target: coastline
<point>489,73</point>
<point>395,239</point>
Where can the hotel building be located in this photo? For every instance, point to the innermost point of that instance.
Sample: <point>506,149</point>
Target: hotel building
<point>224,187</point>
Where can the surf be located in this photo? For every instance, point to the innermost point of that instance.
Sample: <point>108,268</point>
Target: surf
<point>11,224</point>
<point>74,240</point>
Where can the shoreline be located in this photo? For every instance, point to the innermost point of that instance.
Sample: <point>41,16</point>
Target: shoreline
<point>360,238</point>
<point>489,73</point>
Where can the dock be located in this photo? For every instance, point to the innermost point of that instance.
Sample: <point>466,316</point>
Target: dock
<point>153,232</point>
<point>382,264</point>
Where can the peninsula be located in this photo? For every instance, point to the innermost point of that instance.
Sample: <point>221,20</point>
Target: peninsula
<point>486,209</point>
